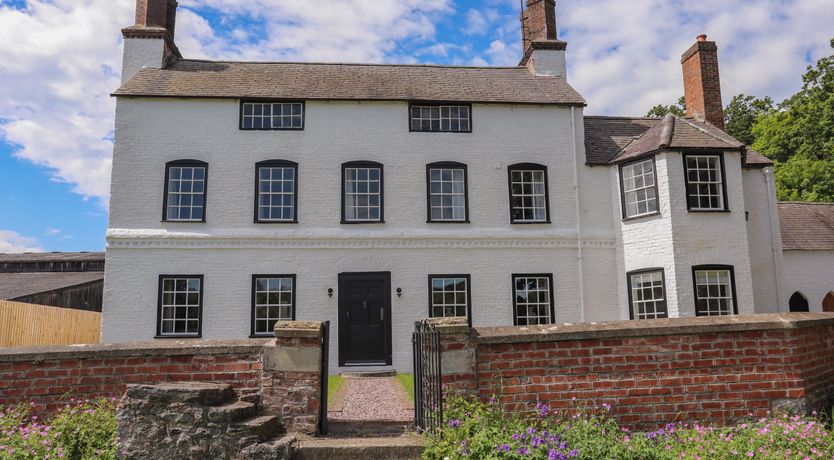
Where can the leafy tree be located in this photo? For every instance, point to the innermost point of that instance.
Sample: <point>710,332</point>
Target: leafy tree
<point>805,179</point>
<point>660,110</point>
<point>804,124</point>
<point>742,113</point>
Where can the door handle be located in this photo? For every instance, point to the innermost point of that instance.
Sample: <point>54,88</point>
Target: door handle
<point>382,314</point>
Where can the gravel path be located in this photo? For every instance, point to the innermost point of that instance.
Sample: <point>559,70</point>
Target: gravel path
<point>373,398</point>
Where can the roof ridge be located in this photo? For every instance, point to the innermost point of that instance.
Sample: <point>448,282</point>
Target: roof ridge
<point>668,131</point>
<point>699,128</point>
<point>809,203</point>
<point>368,64</point>
<point>620,117</point>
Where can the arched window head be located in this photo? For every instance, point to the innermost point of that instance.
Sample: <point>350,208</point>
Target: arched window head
<point>798,303</point>
<point>828,302</point>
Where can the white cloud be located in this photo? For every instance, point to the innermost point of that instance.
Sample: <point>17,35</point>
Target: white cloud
<point>12,242</point>
<point>476,23</point>
<point>624,57</point>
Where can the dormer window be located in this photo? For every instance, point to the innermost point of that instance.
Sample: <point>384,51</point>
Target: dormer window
<point>272,115</point>
<point>440,118</point>
<point>639,186</point>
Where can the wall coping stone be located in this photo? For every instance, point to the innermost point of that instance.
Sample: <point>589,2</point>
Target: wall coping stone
<point>448,326</point>
<point>648,328</point>
<point>178,347</point>
<point>298,329</point>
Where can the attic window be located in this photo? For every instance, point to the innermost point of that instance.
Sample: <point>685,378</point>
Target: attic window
<point>440,118</point>
<point>272,115</point>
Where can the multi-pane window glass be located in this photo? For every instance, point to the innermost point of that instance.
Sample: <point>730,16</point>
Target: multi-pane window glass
<point>180,306</point>
<point>447,194</point>
<point>648,296</point>
<point>528,195</point>
<point>273,303</point>
<point>705,189</point>
<point>533,298</point>
<point>186,193</point>
<point>363,194</point>
<point>713,293</point>
<point>441,118</point>
<point>639,190</point>
<point>449,296</point>
<point>273,115</point>
<point>276,193</point>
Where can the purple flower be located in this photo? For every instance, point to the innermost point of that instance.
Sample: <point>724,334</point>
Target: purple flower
<point>504,448</point>
<point>454,423</point>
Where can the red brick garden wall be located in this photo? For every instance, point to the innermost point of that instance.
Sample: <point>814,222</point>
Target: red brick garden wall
<point>49,377</point>
<point>713,370</point>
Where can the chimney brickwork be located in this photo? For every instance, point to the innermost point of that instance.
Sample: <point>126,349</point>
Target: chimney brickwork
<point>538,22</point>
<point>157,13</point>
<point>702,82</point>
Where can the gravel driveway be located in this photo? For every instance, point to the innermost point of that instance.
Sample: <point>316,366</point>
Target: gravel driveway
<point>373,398</point>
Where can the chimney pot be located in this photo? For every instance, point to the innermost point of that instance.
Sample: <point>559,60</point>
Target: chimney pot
<point>702,37</point>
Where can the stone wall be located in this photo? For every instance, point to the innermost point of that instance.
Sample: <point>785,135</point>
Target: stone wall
<point>284,371</point>
<point>714,370</point>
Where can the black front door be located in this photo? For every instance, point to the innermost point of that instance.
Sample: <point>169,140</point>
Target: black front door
<point>365,319</point>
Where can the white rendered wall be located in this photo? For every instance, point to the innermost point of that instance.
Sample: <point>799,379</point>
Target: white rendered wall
<point>142,52</point>
<point>229,247</point>
<point>710,238</point>
<point>811,273</point>
<point>764,240</point>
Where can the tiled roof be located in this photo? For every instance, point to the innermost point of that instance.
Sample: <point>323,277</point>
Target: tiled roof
<point>615,140</point>
<point>15,285</point>
<point>236,80</point>
<point>807,226</point>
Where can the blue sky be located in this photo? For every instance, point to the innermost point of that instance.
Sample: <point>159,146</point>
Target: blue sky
<point>60,59</point>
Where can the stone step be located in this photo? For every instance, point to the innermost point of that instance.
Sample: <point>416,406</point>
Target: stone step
<point>368,427</point>
<point>234,412</point>
<point>407,447</point>
<point>206,394</point>
<point>368,374</point>
<point>264,427</point>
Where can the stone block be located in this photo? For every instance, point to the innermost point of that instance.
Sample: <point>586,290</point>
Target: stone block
<point>292,359</point>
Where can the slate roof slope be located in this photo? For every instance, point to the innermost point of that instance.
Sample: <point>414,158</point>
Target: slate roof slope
<point>312,81</point>
<point>51,256</point>
<point>807,226</point>
<point>15,285</point>
<point>613,140</point>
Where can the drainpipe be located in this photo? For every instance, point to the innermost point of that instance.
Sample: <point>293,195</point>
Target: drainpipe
<point>579,240</point>
<point>767,173</point>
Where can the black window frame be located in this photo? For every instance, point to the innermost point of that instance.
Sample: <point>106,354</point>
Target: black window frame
<point>447,165</point>
<point>364,164</point>
<point>732,271</point>
<point>185,163</point>
<point>632,314</point>
<point>275,164</point>
<point>515,300</point>
<point>411,104</point>
<point>252,333</point>
<point>159,334</point>
<point>701,153</point>
<point>625,216</point>
<point>274,101</point>
<point>468,294</point>
<point>531,167</point>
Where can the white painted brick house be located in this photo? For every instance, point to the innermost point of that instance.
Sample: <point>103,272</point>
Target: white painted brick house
<point>376,195</point>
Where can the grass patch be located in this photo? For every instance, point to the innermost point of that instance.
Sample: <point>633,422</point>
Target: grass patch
<point>407,381</point>
<point>334,382</point>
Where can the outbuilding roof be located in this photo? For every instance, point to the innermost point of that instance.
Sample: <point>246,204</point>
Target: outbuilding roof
<point>612,140</point>
<point>384,82</point>
<point>16,285</point>
<point>807,226</point>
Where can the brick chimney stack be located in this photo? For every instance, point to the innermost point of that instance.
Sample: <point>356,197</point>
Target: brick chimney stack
<point>702,83</point>
<point>538,22</point>
<point>544,53</point>
<point>150,42</point>
<point>157,13</point>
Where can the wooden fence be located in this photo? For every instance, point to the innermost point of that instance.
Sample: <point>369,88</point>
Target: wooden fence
<point>23,324</point>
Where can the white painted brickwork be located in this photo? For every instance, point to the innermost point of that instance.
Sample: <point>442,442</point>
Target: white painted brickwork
<point>810,273</point>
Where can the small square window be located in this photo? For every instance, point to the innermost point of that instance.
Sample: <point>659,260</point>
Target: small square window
<point>714,290</point>
<point>449,296</point>
<point>180,305</point>
<point>647,293</point>
<point>533,299</point>
<point>273,300</point>
<point>705,188</point>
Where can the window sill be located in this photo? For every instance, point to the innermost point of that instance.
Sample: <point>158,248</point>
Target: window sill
<point>531,223</point>
<point>276,221</point>
<point>271,129</point>
<point>262,336</point>
<point>642,216</point>
<point>199,336</point>
<point>448,221</point>
<point>165,221</point>
<point>362,222</point>
<point>709,210</point>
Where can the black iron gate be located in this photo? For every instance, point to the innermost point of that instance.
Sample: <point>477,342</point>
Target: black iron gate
<point>428,379</point>
<point>325,360</point>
